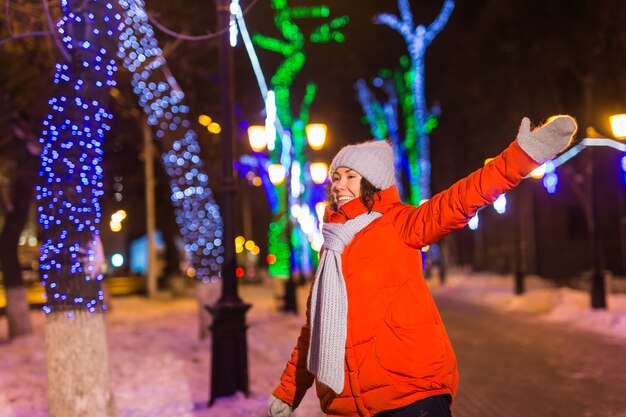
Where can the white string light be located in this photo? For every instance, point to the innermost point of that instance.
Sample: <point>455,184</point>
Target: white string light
<point>418,39</point>
<point>197,213</point>
<point>232,25</point>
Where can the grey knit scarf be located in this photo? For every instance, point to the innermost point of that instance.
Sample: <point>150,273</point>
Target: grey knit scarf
<point>329,304</point>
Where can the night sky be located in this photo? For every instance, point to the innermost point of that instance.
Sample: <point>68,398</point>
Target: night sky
<point>493,63</point>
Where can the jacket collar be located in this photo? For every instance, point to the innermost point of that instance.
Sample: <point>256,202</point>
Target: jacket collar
<point>355,207</point>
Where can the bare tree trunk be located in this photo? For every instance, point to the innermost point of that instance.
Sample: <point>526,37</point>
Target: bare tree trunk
<point>17,308</point>
<point>18,312</point>
<point>79,384</point>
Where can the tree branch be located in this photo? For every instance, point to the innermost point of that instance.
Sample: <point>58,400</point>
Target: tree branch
<point>272,44</point>
<point>208,36</point>
<point>24,35</point>
<point>66,56</point>
<point>391,21</point>
<point>405,12</point>
<point>439,22</point>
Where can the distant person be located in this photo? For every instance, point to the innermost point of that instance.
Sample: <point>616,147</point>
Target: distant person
<point>374,341</point>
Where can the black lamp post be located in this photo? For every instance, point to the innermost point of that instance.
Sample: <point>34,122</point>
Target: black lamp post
<point>598,290</point>
<point>229,365</point>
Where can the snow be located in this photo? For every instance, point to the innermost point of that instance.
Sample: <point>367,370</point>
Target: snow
<point>559,305</point>
<point>160,367</point>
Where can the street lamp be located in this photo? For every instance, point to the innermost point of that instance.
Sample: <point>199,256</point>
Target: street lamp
<point>316,135</point>
<point>598,286</point>
<point>319,172</point>
<point>257,138</point>
<point>588,196</point>
<point>278,173</point>
<point>618,125</point>
<point>229,365</point>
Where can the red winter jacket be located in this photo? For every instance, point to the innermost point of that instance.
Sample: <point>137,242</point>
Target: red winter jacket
<point>397,349</point>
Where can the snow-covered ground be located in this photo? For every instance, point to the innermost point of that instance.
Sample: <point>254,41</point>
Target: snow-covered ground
<point>160,367</point>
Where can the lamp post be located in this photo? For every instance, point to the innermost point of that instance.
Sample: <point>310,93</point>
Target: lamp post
<point>229,366</point>
<point>588,196</point>
<point>598,290</point>
<point>618,126</point>
<point>598,286</point>
<point>316,137</point>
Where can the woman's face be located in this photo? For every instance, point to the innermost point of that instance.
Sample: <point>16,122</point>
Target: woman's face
<point>346,185</point>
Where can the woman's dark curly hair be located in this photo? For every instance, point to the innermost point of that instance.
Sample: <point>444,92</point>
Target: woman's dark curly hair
<point>368,195</point>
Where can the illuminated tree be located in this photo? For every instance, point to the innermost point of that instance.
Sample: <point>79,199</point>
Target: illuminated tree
<point>161,98</point>
<point>289,149</point>
<point>418,39</point>
<point>21,86</point>
<point>69,211</point>
<point>393,118</point>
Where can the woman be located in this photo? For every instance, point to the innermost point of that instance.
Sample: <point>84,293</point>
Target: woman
<point>374,342</point>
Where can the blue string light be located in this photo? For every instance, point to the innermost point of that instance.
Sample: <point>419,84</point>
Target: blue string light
<point>550,178</point>
<point>71,172</point>
<point>383,120</point>
<point>197,213</point>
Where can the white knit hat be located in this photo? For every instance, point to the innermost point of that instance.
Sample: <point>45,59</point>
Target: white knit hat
<point>373,160</point>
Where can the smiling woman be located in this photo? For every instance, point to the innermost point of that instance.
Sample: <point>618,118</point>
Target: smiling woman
<point>388,353</point>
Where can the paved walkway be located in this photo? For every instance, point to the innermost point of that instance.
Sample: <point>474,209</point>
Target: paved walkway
<point>513,365</point>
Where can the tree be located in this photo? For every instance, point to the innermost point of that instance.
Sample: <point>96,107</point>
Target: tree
<point>69,211</point>
<point>418,39</point>
<point>161,98</point>
<point>22,173</point>
<point>292,139</point>
<point>21,87</point>
<point>393,118</point>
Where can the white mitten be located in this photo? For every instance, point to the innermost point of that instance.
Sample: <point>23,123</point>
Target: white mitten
<point>545,142</point>
<point>278,408</point>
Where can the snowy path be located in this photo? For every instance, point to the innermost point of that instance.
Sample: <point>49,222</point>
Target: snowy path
<point>516,365</point>
<point>510,361</point>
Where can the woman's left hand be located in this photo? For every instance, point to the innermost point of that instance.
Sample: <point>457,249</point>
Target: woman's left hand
<point>279,408</point>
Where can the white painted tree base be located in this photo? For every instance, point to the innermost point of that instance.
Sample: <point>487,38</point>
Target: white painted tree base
<point>79,383</point>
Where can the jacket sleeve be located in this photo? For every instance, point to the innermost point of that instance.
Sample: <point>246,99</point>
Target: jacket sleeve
<point>453,208</point>
<point>296,378</point>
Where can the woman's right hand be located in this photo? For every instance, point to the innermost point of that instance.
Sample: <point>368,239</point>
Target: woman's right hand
<point>279,408</point>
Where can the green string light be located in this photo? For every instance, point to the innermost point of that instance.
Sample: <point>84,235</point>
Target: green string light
<point>292,50</point>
